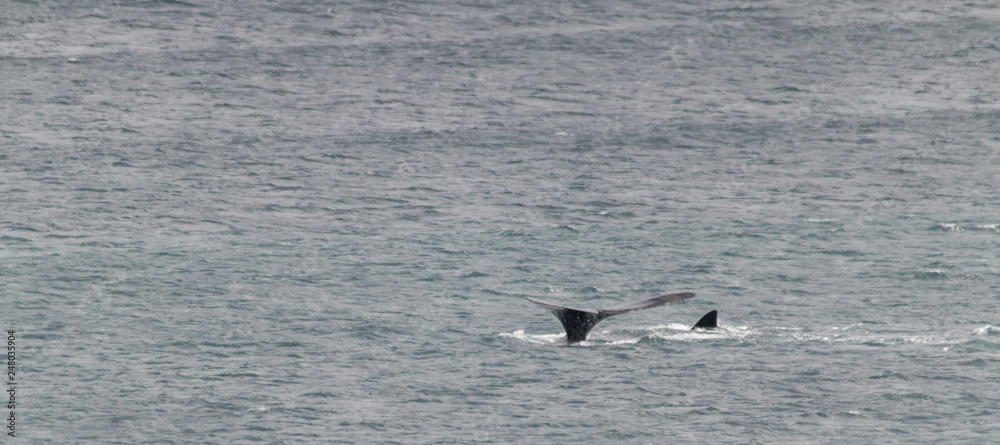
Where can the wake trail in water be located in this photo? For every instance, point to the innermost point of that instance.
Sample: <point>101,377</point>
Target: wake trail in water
<point>675,332</point>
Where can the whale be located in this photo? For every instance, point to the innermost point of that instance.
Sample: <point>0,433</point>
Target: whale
<point>708,321</point>
<point>579,321</point>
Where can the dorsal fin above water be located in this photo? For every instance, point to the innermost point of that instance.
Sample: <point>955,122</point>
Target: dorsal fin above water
<point>578,322</point>
<point>709,321</point>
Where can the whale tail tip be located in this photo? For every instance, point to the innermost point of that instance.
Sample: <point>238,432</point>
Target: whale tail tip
<point>709,321</point>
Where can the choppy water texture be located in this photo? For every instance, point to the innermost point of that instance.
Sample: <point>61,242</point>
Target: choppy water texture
<point>316,222</point>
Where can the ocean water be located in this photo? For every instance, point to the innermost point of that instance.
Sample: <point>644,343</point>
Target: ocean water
<point>316,222</point>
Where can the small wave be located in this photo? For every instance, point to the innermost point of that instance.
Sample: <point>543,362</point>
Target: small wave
<point>510,233</point>
<point>627,341</point>
<point>936,274</point>
<point>540,339</point>
<point>905,396</point>
<point>988,330</point>
<point>845,328</point>
<point>977,344</point>
<point>13,239</point>
<point>787,328</point>
<point>946,227</point>
<point>616,215</point>
<point>895,341</point>
<point>953,227</point>
<point>847,252</point>
<point>685,334</point>
<point>987,227</point>
<point>474,275</point>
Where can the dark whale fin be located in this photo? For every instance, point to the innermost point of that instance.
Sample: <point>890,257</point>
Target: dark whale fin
<point>709,321</point>
<point>579,322</point>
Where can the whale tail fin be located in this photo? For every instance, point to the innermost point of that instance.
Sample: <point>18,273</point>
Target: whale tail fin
<point>709,321</point>
<point>579,322</point>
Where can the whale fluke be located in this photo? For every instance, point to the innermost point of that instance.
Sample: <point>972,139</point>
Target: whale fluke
<point>709,321</point>
<point>579,322</point>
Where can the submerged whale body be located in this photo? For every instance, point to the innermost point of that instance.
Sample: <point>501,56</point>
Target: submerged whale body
<point>579,322</point>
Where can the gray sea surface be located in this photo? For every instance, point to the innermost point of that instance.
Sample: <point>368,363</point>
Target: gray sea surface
<point>303,221</point>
